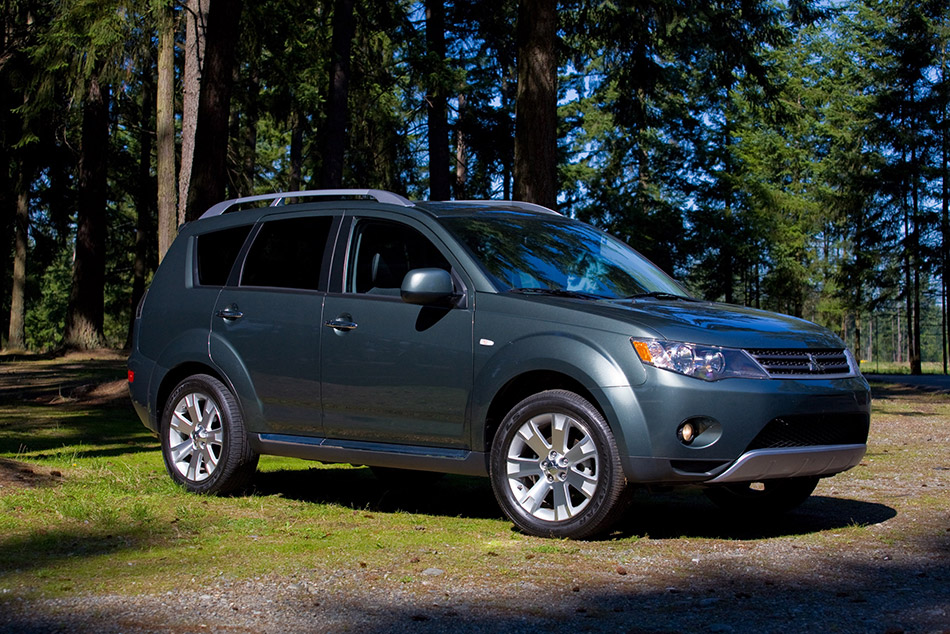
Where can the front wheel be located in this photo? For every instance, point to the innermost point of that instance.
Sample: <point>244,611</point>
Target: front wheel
<point>204,443</point>
<point>766,497</point>
<point>555,468</point>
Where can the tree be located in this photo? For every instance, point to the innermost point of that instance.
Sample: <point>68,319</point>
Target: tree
<point>337,115</point>
<point>436,101</point>
<point>209,170</point>
<point>195,15</point>
<point>85,314</point>
<point>535,167</point>
<point>165,127</point>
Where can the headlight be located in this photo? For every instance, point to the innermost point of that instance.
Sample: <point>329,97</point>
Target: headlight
<point>709,363</point>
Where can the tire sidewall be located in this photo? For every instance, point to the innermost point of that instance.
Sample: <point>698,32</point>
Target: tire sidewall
<point>592,519</point>
<point>230,420</point>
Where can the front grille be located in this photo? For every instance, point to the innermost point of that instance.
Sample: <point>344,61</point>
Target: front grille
<point>807,430</point>
<point>812,363</point>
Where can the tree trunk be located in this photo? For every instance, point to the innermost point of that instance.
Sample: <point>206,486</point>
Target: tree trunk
<point>145,194</point>
<point>84,316</point>
<point>535,168</point>
<point>461,154</point>
<point>165,132</point>
<point>296,151</point>
<point>337,120</point>
<point>249,139</point>
<point>209,169</point>
<point>17,334</point>
<point>436,102</point>
<point>196,27</point>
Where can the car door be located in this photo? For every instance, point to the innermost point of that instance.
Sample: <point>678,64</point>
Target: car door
<point>268,320</point>
<point>394,372</point>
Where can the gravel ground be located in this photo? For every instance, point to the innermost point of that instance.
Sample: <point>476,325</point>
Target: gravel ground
<point>870,552</point>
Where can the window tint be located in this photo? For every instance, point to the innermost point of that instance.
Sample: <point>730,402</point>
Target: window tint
<point>384,252</point>
<point>287,253</point>
<point>216,254</point>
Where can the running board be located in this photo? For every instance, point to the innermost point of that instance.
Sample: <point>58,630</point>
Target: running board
<point>459,461</point>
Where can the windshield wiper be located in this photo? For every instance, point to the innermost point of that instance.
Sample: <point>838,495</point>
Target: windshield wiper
<point>660,295</point>
<point>556,292</point>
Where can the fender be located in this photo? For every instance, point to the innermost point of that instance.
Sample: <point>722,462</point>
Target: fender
<point>583,360</point>
<point>226,360</point>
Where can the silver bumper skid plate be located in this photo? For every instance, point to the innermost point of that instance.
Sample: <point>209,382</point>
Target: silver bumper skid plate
<point>791,462</point>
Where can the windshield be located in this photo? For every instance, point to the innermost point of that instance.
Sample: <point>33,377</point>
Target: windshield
<point>521,252</point>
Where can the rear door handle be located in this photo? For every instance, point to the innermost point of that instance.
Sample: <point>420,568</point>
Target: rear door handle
<point>230,313</point>
<point>341,323</point>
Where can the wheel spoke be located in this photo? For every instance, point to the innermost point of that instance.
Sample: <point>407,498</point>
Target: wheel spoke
<point>562,508</point>
<point>523,467</point>
<point>211,461</point>
<point>194,408</point>
<point>585,483</point>
<point>560,425</point>
<point>210,415</point>
<point>534,498</point>
<point>182,451</point>
<point>581,451</point>
<point>193,466</point>
<point>533,437</point>
<point>216,436</point>
<point>181,425</point>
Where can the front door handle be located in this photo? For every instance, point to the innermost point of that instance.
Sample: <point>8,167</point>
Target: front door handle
<point>344,322</point>
<point>230,313</point>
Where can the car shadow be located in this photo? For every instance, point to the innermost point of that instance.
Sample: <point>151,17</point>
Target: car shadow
<point>688,513</point>
<point>359,488</point>
<point>671,514</point>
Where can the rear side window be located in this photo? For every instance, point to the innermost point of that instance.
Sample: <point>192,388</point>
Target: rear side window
<point>288,253</point>
<point>216,254</point>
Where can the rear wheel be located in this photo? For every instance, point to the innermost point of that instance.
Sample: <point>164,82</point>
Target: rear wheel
<point>767,496</point>
<point>555,468</point>
<point>204,443</point>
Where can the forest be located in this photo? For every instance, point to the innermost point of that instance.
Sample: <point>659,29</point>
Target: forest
<point>792,155</point>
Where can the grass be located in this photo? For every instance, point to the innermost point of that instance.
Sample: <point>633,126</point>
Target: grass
<point>890,367</point>
<point>102,516</point>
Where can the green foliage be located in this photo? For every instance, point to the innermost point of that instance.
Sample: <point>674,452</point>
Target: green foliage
<point>788,156</point>
<point>46,315</point>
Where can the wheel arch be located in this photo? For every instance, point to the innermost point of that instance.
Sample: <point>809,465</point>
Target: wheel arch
<point>523,386</point>
<point>178,374</point>
<point>557,360</point>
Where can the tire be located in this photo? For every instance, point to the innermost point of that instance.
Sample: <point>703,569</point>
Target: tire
<point>204,443</point>
<point>768,497</point>
<point>555,468</point>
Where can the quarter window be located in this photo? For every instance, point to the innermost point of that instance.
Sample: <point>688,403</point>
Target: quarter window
<point>288,253</point>
<point>217,251</point>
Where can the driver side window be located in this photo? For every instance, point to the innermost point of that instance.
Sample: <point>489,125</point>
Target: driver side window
<point>383,252</point>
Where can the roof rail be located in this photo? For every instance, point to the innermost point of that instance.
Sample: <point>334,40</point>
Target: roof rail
<point>517,204</point>
<point>277,198</point>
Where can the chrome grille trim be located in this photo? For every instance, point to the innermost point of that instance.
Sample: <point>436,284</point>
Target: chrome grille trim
<point>803,363</point>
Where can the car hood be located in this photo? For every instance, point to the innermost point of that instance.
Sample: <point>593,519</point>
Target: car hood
<point>712,323</point>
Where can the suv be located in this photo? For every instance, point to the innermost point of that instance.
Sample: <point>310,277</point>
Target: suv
<point>487,338</point>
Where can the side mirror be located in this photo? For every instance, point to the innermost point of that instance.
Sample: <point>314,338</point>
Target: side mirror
<point>427,286</point>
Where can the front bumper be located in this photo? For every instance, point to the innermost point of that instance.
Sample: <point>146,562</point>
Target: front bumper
<point>762,428</point>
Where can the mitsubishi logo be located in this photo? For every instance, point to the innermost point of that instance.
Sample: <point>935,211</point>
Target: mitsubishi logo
<point>812,364</point>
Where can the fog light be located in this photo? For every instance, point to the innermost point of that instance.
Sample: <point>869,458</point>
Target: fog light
<point>687,433</point>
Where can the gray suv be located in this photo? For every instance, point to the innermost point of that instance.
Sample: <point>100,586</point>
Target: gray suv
<point>487,338</point>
